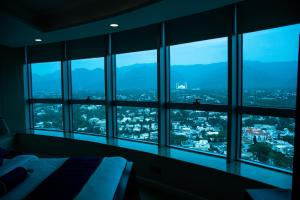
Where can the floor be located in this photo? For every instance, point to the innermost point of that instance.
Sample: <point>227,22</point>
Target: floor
<point>147,193</point>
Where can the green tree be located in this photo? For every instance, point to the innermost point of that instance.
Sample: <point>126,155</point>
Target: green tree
<point>261,151</point>
<point>289,139</point>
<point>177,139</point>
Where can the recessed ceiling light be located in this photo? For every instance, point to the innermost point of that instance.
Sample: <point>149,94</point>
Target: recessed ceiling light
<point>114,25</point>
<point>38,40</point>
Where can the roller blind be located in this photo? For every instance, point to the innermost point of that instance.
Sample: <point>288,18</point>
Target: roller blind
<point>46,52</point>
<point>144,38</point>
<point>206,25</point>
<point>87,47</point>
<point>257,14</point>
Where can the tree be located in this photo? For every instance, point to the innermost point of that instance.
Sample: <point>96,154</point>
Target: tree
<point>177,139</point>
<point>289,139</point>
<point>280,159</point>
<point>261,151</point>
<point>254,140</point>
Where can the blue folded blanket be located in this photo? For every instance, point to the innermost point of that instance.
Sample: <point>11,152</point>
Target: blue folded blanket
<point>11,179</point>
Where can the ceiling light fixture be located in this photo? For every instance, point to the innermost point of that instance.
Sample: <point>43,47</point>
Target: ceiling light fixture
<point>38,40</point>
<point>114,25</point>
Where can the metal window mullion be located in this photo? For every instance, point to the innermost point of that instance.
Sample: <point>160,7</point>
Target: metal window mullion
<point>232,100</point>
<point>31,111</point>
<point>114,94</point>
<point>167,93</point>
<point>136,104</point>
<point>275,112</point>
<point>239,95</point>
<point>66,94</point>
<point>88,102</point>
<point>27,92</point>
<point>49,101</point>
<point>200,107</point>
<point>70,96</point>
<point>110,92</point>
<point>30,105</point>
<point>234,93</point>
<point>161,90</point>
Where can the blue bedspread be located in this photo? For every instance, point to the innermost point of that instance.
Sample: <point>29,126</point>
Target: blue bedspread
<point>66,182</point>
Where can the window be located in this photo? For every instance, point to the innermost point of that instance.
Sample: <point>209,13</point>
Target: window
<point>46,80</point>
<point>188,108</point>
<point>199,71</point>
<point>46,95</point>
<point>88,95</point>
<point>47,116</point>
<point>270,61</point>
<point>137,123</point>
<point>198,77</point>
<point>136,88</point>
<point>199,130</point>
<point>88,78</point>
<point>268,140</point>
<point>137,76</point>
<point>89,119</point>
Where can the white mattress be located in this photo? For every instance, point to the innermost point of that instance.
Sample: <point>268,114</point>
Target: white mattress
<point>101,185</point>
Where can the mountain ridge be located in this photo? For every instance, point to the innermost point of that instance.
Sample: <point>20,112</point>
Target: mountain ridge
<point>202,76</point>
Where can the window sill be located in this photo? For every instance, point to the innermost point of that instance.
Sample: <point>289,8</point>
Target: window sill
<point>257,173</point>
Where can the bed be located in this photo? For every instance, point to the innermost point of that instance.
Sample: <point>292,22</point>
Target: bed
<point>80,178</point>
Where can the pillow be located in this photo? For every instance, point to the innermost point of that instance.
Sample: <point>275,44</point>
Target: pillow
<point>2,153</point>
<point>11,179</point>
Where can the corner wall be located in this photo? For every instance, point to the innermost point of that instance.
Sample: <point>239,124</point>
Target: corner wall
<point>12,104</point>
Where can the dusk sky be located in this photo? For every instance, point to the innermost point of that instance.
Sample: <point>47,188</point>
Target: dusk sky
<point>272,45</point>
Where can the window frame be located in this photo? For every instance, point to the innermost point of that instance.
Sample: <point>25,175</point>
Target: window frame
<point>32,101</point>
<point>194,106</point>
<point>258,111</point>
<point>74,101</point>
<point>234,107</point>
<point>130,103</point>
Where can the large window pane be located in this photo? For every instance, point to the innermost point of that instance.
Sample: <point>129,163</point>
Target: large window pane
<point>268,140</point>
<point>199,130</point>
<point>47,116</point>
<point>88,78</point>
<point>199,71</point>
<point>137,76</point>
<point>89,119</point>
<point>137,123</point>
<point>46,80</point>
<point>270,67</point>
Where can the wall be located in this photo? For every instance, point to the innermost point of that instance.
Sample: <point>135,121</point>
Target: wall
<point>163,173</point>
<point>12,104</point>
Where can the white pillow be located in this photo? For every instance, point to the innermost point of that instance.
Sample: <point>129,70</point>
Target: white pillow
<point>18,161</point>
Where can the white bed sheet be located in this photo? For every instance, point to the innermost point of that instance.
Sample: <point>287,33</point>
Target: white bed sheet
<point>104,182</point>
<point>42,168</point>
<point>101,185</point>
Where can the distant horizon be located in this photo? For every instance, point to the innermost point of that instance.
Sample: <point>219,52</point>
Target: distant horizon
<point>96,68</point>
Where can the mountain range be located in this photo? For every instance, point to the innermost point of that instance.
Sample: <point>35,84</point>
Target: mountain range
<point>257,75</point>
